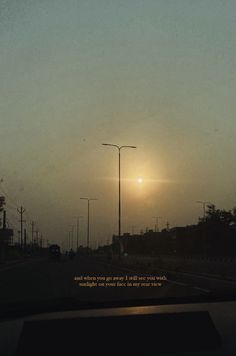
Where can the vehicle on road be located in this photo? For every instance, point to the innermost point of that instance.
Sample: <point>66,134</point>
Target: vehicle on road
<point>54,252</point>
<point>71,254</point>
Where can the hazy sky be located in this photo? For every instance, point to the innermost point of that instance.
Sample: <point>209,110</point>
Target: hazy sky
<point>158,74</point>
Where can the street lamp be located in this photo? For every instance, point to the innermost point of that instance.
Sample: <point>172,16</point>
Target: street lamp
<point>88,200</point>
<point>204,203</point>
<point>119,204</point>
<point>77,230</point>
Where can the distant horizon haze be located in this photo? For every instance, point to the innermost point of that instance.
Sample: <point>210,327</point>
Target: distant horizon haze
<point>159,75</point>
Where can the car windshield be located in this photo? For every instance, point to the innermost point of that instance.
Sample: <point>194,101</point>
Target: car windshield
<point>117,170</point>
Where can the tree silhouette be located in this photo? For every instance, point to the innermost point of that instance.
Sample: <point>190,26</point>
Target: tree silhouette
<point>218,216</point>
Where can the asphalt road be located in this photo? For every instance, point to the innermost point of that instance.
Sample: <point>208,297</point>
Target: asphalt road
<point>42,279</point>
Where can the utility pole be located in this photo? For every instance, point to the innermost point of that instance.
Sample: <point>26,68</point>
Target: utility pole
<point>25,239</point>
<point>32,232</point>
<point>69,245</point>
<point>72,236</point>
<point>77,230</point>
<point>67,242</point>
<point>204,236</point>
<point>37,237</point>
<point>157,225</point>
<point>21,212</point>
<point>204,203</point>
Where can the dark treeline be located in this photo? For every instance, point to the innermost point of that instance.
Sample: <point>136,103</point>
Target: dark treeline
<point>214,235</point>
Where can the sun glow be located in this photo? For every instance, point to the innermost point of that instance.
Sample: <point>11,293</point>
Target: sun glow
<point>140,180</point>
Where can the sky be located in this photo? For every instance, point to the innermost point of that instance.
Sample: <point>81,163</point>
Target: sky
<point>157,74</point>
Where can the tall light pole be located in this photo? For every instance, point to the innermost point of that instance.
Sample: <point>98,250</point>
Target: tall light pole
<point>204,203</point>
<point>88,200</point>
<point>21,211</point>
<point>77,230</point>
<point>69,244</point>
<point>119,203</point>
<point>72,236</point>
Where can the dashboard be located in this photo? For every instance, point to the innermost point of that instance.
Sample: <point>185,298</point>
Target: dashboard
<point>195,329</point>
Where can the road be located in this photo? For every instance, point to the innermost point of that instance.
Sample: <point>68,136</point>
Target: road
<point>42,279</point>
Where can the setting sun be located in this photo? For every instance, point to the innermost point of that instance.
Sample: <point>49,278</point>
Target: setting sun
<point>140,180</point>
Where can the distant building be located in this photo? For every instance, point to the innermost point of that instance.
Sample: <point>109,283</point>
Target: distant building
<point>6,236</point>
